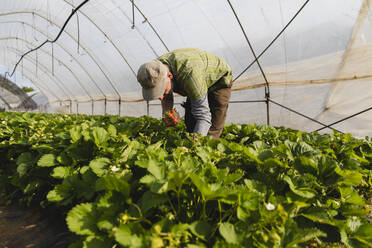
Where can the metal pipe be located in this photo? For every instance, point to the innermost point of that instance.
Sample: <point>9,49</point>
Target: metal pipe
<point>276,37</point>
<point>294,111</point>
<point>48,41</point>
<point>267,87</point>
<point>344,119</point>
<point>89,54</point>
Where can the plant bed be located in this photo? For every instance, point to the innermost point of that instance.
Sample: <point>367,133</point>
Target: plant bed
<point>32,227</point>
<point>130,182</point>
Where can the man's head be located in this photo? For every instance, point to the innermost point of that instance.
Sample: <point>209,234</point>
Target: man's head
<point>153,77</point>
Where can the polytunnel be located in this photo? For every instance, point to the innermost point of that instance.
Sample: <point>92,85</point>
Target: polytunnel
<point>296,63</point>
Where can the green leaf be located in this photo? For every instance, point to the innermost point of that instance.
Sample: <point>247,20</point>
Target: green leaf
<point>61,172</point>
<point>248,202</point>
<point>64,159</point>
<point>125,237</point>
<point>150,200</point>
<point>148,179</point>
<point>105,225</point>
<point>47,160</point>
<point>320,215</point>
<point>349,177</point>
<point>265,154</point>
<point>298,236</point>
<point>349,195</point>
<point>100,166</point>
<point>112,130</point>
<point>227,231</point>
<point>75,134</point>
<point>303,192</point>
<point>306,165</point>
<point>100,136</point>
<point>353,210</point>
<point>201,229</point>
<point>96,242</point>
<point>24,162</point>
<point>156,169</point>
<point>365,232</point>
<point>82,219</point>
<point>59,193</point>
<point>114,183</point>
<point>22,169</point>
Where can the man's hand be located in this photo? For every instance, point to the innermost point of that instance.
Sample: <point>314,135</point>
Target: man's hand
<point>172,118</point>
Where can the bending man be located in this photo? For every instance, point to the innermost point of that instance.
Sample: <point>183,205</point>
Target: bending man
<point>202,77</point>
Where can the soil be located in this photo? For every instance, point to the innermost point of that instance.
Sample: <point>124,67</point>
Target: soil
<point>32,228</point>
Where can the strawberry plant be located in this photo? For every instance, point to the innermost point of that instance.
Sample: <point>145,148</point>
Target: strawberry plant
<point>131,182</point>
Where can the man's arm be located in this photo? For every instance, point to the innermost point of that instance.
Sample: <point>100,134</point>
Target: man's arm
<point>202,114</point>
<point>167,103</point>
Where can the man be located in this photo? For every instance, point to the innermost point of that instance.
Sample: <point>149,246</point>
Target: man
<point>201,76</point>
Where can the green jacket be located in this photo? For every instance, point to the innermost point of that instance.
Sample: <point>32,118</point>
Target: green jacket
<point>196,72</point>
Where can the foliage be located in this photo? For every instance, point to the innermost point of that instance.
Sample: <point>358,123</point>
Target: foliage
<point>130,182</point>
<point>27,89</point>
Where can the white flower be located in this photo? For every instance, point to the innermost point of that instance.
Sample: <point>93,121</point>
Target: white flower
<point>114,169</point>
<point>270,206</point>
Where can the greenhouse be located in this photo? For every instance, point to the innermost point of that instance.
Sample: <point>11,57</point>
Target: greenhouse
<point>79,142</point>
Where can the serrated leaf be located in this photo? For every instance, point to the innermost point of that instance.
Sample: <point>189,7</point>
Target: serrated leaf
<point>112,130</point>
<point>303,192</point>
<point>150,200</point>
<point>148,179</point>
<point>47,160</point>
<point>117,184</point>
<point>82,219</point>
<point>61,172</point>
<point>201,229</point>
<point>123,235</point>
<point>156,169</point>
<point>96,242</point>
<point>349,177</point>
<point>227,231</point>
<point>105,225</point>
<point>298,236</point>
<point>59,193</point>
<point>75,134</point>
<point>100,136</point>
<point>64,159</point>
<point>22,169</point>
<point>25,159</point>
<point>100,166</point>
<point>319,215</point>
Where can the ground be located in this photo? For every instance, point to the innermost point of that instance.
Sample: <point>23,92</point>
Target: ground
<point>26,227</point>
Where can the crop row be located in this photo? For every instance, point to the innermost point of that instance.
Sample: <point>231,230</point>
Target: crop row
<point>130,182</point>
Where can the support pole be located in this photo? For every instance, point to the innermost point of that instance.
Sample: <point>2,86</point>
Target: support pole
<point>148,108</point>
<point>267,96</point>
<point>133,23</point>
<point>344,119</point>
<point>120,106</point>
<point>105,106</point>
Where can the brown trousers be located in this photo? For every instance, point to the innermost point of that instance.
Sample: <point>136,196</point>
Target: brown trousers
<point>218,103</point>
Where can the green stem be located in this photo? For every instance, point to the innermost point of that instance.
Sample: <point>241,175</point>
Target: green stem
<point>220,211</point>
<point>173,208</point>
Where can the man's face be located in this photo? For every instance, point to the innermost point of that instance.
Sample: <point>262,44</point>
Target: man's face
<point>168,86</point>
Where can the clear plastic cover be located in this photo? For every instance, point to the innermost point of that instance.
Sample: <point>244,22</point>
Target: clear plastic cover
<point>318,68</point>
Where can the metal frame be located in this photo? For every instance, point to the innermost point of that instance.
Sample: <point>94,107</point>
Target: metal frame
<point>256,60</point>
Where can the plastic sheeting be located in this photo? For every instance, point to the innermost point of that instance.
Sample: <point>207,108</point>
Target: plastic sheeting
<point>319,66</point>
<point>13,97</point>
